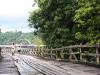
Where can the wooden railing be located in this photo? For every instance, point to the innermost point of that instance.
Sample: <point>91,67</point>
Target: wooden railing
<point>75,53</point>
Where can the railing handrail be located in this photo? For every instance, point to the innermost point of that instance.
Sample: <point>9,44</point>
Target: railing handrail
<point>76,46</point>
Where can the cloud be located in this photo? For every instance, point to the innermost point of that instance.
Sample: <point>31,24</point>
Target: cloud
<point>14,15</point>
<point>15,8</point>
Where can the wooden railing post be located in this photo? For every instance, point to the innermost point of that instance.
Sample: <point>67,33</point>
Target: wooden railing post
<point>56,54</point>
<point>80,54</point>
<point>43,50</point>
<point>51,54</point>
<point>70,54</point>
<point>62,54</point>
<point>97,56</point>
<point>40,51</point>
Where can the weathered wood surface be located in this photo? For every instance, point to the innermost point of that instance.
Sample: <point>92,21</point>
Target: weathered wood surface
<point>7,66</point>
<point>29,65</point>
<point>75,53</point>
<point>47,67</point>
<point>25,69</point>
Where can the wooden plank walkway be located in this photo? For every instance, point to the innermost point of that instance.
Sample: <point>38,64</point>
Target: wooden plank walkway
<point>7,66</point>
<point>25,69</point>
<point>29,65</point>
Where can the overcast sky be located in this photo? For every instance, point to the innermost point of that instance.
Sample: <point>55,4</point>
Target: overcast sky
<point>14,15</point>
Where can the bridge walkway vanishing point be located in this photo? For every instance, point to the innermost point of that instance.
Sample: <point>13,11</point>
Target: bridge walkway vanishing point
<point>29,62</point>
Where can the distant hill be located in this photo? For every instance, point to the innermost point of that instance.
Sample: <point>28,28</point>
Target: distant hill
<point>18,37</point>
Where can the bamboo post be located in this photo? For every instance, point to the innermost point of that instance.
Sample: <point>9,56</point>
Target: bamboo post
<point>97,56</point>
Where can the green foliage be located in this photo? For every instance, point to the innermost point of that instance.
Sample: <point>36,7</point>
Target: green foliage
<point>54,21</point>
<point>9,37</point>
<point>67,22</point>
<point>87,20</point>
<point>16,37</point>
<point>38,41</point>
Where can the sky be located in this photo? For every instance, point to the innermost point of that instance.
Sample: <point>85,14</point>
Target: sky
<point>14,15</point>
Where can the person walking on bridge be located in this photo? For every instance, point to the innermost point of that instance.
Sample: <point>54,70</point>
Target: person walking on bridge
<point>13,48</point>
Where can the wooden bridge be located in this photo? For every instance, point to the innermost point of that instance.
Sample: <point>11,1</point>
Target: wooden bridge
<point>69,60</point>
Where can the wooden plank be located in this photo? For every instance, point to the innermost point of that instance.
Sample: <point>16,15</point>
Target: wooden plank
<point>7,66</point>
<point>90,54</point>
<point>57,68</point>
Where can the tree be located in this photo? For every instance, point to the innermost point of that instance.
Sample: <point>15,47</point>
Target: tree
<point>87,20</point>
<point>54,21</point>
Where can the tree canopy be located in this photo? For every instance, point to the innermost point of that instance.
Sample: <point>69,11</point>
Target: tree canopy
<point>66,22</point>
<point>87,18</point>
